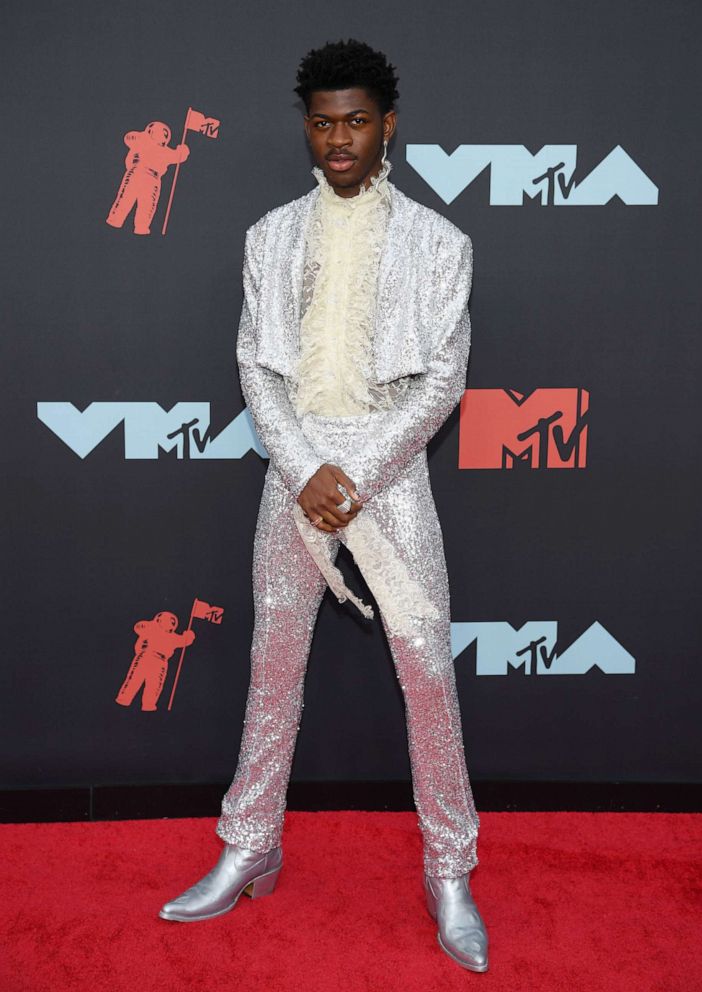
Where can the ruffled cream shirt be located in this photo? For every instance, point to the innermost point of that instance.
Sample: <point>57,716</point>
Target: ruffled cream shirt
<point>345,241</point>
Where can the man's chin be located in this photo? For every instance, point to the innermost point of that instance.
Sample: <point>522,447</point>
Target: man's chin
<point>348,184</point>
<point>341,179</point>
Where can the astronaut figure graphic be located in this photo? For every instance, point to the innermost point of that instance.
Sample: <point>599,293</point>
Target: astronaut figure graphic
<point>156,641</point>
<point>148,158</point>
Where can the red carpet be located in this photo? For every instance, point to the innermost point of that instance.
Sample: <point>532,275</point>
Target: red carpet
<point>574,902</point>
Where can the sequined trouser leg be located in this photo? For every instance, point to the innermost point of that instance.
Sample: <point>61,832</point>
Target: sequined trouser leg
<point>288,590</point>
<point>425,669</point>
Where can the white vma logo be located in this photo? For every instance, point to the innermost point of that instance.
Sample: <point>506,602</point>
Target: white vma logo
<point>549,174</point>
<point>499,647</point>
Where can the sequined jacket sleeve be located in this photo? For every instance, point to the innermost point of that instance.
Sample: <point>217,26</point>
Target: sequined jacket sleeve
<point>400,433</point>
<point>264,390</point>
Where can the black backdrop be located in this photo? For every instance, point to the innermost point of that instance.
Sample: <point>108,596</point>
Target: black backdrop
<point>603,298</point>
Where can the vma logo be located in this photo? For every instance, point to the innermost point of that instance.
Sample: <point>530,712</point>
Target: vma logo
<point>533,648</point>
<point>149,429</point>
<point>502,428</point>
<point>549,175</point>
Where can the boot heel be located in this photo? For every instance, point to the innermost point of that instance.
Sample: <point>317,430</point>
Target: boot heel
<point>263,885</point>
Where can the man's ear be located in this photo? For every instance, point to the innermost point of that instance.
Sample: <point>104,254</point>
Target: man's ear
<point>391,120</point>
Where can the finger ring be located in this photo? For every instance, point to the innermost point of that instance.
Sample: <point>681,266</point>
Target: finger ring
<point>317,522</point>
<point>346,505</point>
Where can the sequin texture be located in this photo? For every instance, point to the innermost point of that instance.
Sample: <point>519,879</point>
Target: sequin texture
<point>426,283</point>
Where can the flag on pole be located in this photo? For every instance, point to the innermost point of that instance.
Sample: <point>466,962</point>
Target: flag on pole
<point>203,611</point>
<point>204,125</point>
<point>194,121</point>
<point>200,611</point>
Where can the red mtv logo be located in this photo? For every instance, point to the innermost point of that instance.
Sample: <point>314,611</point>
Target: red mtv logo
<point>501,428</point>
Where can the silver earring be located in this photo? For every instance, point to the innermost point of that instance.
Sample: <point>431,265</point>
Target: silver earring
<point>385,154</point>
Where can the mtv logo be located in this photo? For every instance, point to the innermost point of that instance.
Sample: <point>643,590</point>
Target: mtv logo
<point>500,648</point>
<point>547,176</point>
<point>502,428</point>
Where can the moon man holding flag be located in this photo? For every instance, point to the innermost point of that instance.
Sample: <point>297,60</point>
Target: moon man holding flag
<point>148,159</point>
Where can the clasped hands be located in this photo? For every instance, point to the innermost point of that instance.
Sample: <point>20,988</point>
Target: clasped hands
<point>321,499</point>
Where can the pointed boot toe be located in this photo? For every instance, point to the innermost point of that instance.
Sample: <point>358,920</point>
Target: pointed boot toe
<point>462,933</point>
<point>238,870</point>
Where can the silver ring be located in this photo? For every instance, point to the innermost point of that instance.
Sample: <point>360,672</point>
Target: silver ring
<point>346,505</point>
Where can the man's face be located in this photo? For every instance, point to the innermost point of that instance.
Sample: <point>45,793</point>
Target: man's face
<point>346,131</point>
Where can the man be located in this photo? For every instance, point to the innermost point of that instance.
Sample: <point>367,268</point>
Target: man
<point>353,347</point>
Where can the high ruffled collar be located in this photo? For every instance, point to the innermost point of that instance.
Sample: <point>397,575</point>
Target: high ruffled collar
<point>378,189</point>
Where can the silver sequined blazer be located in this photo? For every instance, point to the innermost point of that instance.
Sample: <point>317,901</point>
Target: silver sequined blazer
<point>422,329</point>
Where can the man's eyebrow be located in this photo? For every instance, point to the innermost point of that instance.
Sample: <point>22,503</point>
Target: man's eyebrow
<point>359,110</point>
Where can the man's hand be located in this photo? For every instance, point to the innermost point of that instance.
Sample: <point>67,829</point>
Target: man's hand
<point>322,498</point>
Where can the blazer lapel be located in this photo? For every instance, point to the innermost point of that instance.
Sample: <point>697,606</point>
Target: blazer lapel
<point>278,317</point>
<point>397,340</point>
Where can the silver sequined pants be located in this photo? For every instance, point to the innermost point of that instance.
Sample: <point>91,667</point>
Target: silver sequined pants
<point>288,589</point>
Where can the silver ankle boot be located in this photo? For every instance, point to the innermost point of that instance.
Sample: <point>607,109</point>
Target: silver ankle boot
<point>238,870</point>
<point>462,934</point>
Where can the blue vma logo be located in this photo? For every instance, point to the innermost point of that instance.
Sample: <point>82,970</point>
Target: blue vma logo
<point>148,429</point>
<point>532,648</point>
<point>549,175</point>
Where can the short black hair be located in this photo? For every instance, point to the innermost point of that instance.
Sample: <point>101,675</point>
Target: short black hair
<point>341,65</point>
